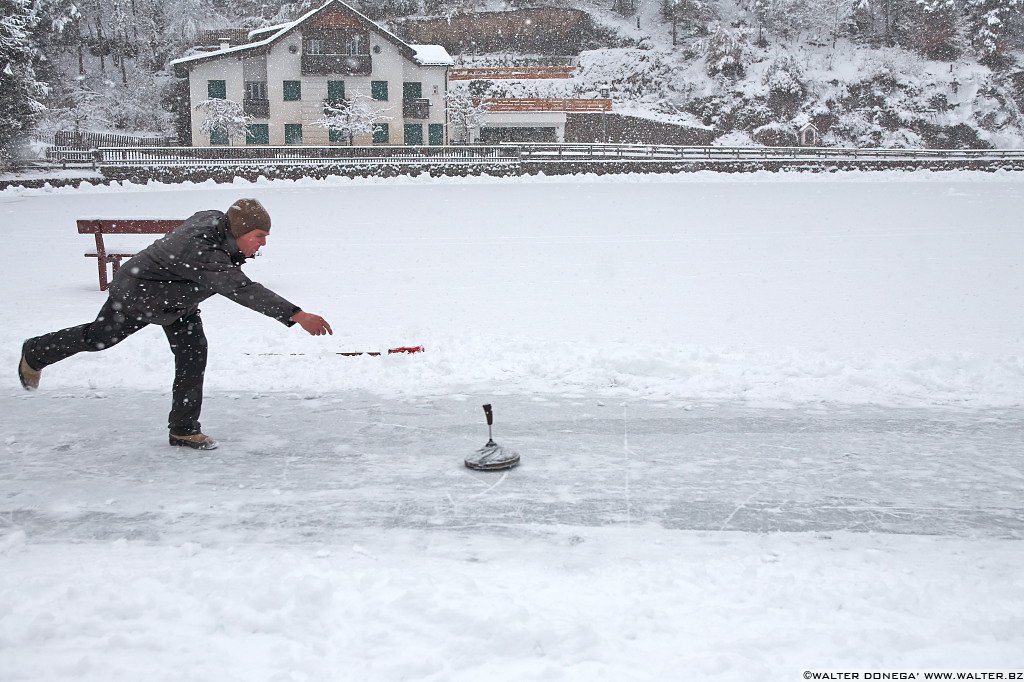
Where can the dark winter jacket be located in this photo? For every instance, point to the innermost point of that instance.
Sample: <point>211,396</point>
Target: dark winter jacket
<point>200,258</point>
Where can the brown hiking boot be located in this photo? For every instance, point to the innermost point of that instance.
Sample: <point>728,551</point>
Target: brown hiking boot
<point>29,377</point>
<point>197,441</point>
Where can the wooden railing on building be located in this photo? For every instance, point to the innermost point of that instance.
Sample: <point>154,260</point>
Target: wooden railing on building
<point>340,64</point>
<point>418,108</point>
<point>260,108</point>
<point>551,105</point>
<point>510,73</point>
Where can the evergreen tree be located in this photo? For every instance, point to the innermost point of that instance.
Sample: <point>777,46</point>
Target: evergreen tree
<point>989,24</point>
<point>934,32</point>
<point>726,52</point>
<point>21,90</point>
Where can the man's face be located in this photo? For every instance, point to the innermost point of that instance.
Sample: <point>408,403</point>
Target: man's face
<point>250,242</point>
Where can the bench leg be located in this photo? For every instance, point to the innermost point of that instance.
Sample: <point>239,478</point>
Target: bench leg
<point>102,263</point>
<point>115,263</point>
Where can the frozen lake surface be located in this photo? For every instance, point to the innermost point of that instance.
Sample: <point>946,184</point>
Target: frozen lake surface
<point>338,462</point>
<point>768,423</point>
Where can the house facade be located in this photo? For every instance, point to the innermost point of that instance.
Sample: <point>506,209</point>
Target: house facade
<point>285,75</point>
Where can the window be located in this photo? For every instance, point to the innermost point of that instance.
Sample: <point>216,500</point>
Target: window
<point>335,91</point>
<point>219,137</point>
<point>292,91</point>
<point>379,90</point>
<point>355,45</point>
<point>435,133</point>
<point>256,89</point>
<point>293,133</point>
<point>336,136</point>
<point>413,133</point>
<point>412,90</point>
<point>217,89</point>
<point>257,133</point>
<point>380,133</point>
<point>313,46</point>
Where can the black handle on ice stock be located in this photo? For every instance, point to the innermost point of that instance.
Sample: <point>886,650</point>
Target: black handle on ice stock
<point>490,415</point>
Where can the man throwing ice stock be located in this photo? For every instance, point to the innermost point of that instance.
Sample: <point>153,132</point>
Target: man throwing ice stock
<point>164,284</point>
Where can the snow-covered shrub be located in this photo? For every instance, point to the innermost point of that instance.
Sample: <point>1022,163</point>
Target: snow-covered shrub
<point>138,106</point>
<point>855,127</point>
<point>77,109</point>
<point>727,52</point>
<point>465,114</point>
<point>775,134</point>
<point>736,138</point>
<point>785,77</point>
<point>223,116</point>
<point>352,117</point>
<point>632,74</point>
<point>749,114</point>
<point>901,139</point>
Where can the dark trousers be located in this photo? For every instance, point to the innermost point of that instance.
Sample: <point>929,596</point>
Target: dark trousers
<point>111,326</point>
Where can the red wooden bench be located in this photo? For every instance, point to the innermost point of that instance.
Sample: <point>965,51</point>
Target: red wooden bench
<point>100,227</point>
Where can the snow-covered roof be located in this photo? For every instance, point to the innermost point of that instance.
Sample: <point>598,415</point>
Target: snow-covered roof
<point>432,55</point>
<point>266,30</point>
<point>426,55</point>
<point>203,56</point>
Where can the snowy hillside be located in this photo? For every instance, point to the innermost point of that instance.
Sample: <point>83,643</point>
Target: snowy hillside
<point>857,95</point>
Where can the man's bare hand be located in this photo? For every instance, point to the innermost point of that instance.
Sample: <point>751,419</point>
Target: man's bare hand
<point>314,324</point>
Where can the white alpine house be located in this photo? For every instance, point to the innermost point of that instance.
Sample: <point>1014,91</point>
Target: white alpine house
<point>284,76</point>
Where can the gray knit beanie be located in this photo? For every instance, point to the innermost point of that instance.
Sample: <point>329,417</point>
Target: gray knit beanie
<point>246,215</point>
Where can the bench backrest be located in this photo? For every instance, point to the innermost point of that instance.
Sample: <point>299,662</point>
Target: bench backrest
<point>127,226</point>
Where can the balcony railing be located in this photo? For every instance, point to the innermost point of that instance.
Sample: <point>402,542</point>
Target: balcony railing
<point>256,107</point>
<point>416,108</point>
<point>342,64</point>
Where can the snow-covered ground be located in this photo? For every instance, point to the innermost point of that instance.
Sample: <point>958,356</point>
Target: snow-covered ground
<point>768,422</point>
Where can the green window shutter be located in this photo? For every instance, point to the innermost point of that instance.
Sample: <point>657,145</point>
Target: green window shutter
<point>413,133</point>
<point>412,90</point>
<point>219,137</point>
<point>380,133</point>
<point>257,133</point>
<point>293,133</point>
<point>217,89</point>
<point>379,90</point>
<point>435,133</point>
<point>335,91</point>
<point>335,136</point>
<point>292,91</point>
